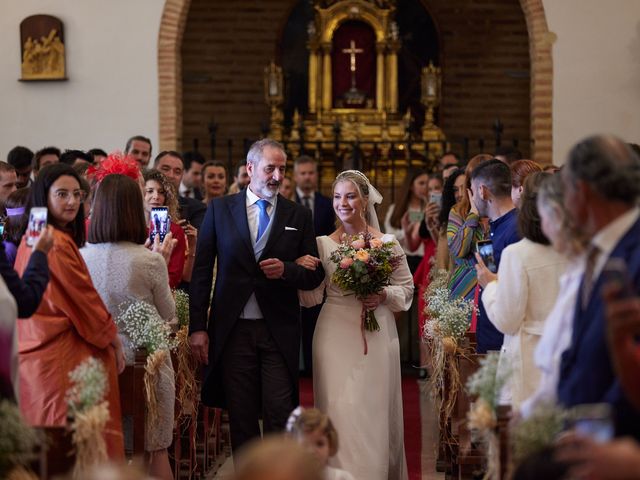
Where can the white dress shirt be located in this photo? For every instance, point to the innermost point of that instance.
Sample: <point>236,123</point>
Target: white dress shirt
<point>252,309</point>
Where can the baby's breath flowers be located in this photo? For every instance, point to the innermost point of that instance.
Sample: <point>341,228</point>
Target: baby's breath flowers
<point>142,325</point>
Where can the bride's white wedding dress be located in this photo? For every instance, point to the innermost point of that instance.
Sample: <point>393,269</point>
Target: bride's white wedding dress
<point>362,394</point>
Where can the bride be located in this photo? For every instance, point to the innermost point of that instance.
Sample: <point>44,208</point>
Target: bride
<point>360,392</point>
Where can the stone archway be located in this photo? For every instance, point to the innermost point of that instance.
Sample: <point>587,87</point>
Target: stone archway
<point>170,72</point>
<point>174,17</point>
<point>540,45</point>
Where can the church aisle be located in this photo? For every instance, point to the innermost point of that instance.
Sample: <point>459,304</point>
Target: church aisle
<point>420,430</point>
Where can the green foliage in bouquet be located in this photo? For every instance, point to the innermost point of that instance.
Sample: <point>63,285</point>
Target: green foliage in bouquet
<point>89,386</point>
<point>364,267</point>
<point>140,322</point>
<point>486,383</point>
<point>537,432</point>
<point>182,307</point>
<point>17,439</point>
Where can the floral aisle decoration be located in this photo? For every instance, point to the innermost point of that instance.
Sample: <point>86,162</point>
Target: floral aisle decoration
<point>537,432</point>
<point>486,384</point>
<point>447,322</point>
<point>186,384</point>
<point>89,412</point>
<point>364,267</point>
<point>17,443</point>
<point>144,327</point>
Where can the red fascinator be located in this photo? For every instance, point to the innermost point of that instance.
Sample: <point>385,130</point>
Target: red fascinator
<point>115,164</point>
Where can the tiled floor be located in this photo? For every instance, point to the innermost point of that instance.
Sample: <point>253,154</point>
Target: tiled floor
<point>429,443</point>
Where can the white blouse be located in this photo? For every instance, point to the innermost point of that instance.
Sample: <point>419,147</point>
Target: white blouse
<point>518,304</point>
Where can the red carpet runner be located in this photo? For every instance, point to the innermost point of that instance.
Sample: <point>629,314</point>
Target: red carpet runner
<point>412,421</point>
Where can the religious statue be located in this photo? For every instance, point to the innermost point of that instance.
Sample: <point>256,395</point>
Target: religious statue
<point>43,51</point>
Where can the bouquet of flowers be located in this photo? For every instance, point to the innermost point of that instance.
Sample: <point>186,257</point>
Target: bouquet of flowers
<point>90,412</point>
<point>364,267</point>
<point>140,322</point>
<point>17,441</point>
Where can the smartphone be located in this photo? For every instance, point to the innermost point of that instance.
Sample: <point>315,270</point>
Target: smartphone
<point>436,197</point>
<point>415,216</point>
<point>485,249</point>
<point>159,223</point>
<point>615,271</point>
<point>592,420</point>
<point>37,223</point>
<point>1,229</point>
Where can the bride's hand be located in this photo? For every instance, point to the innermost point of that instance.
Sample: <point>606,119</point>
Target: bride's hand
<point>371,302</point>
<point>308,261</point>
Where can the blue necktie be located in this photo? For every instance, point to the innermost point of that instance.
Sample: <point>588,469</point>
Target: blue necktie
<point>263,217</point>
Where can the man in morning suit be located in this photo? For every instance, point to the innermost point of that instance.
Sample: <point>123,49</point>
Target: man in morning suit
<point>305,175</point>
<point>602,187</point>
<point>250,340</point>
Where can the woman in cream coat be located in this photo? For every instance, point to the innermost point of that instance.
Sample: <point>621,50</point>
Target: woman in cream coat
<point>520,297</point>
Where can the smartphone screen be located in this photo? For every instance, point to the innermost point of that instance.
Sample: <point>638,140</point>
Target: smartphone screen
<point>37,223</point>
<point>592,420</point>
<point>159,223</point>
<point>485,249</point>
<point>436,197</point>
<point>1,229</point>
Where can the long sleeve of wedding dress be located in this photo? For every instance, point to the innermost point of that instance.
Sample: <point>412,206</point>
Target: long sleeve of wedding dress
<point>400,292</point>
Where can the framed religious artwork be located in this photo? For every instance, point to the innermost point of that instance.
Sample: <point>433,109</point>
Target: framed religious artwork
<point>42,48</point>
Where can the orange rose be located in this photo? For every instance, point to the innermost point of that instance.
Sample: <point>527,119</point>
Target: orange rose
<point>376,243</point>
<point>362,255</point>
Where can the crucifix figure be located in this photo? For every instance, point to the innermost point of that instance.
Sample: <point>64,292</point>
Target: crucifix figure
<point>352,51</point>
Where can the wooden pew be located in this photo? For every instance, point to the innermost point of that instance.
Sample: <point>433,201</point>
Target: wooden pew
<point>504,417</point>
<point>133,400</point>
<point>54,456</point>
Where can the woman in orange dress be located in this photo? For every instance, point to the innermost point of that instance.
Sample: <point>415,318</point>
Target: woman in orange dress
<point>71,323</point>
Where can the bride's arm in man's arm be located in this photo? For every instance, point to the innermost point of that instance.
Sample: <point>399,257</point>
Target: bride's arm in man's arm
<point>310,298</point>
<point>400,292</point>
<point>297,275</point>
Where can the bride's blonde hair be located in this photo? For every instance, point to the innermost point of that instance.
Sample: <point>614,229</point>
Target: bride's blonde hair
<point>359,179</point>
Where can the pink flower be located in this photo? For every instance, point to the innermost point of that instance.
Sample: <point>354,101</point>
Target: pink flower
<point>358,244</point>
<point>346,262</point>
<point>376,243</point>
<point>362,255</point>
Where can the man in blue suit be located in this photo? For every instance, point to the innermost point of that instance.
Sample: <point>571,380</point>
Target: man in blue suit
<point>249,341</point>
<point>305,175</point>
<point>602,187</point>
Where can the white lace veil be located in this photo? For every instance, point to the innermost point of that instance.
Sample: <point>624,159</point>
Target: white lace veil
<point>375,197</point>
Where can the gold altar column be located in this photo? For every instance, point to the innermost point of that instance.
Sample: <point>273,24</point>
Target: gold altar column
<point>313,79</point>
<point>326,77</point>
<point>380,77</point>
<point>392,76</point>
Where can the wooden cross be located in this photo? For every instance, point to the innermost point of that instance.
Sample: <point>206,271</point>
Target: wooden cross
<point>352,52</point>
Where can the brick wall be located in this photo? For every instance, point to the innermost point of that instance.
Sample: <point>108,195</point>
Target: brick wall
<point>225,46</point>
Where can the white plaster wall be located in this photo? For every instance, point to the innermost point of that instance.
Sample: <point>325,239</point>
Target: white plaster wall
<point>112,91</point>
<point>596,68</point>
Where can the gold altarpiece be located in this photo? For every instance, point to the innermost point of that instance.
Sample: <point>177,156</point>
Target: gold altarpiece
<point>378,119</point>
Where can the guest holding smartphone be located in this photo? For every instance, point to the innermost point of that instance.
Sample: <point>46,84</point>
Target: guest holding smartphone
<point>123,270</point>
<point>71,323</point>
<point>159,192</point>
<point>519,299</point>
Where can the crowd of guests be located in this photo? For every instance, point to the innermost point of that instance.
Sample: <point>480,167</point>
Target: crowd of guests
<point>564,316</point>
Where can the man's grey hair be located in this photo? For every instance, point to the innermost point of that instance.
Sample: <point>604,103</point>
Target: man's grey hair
<point>256,151</point>
<point>608,165</point>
